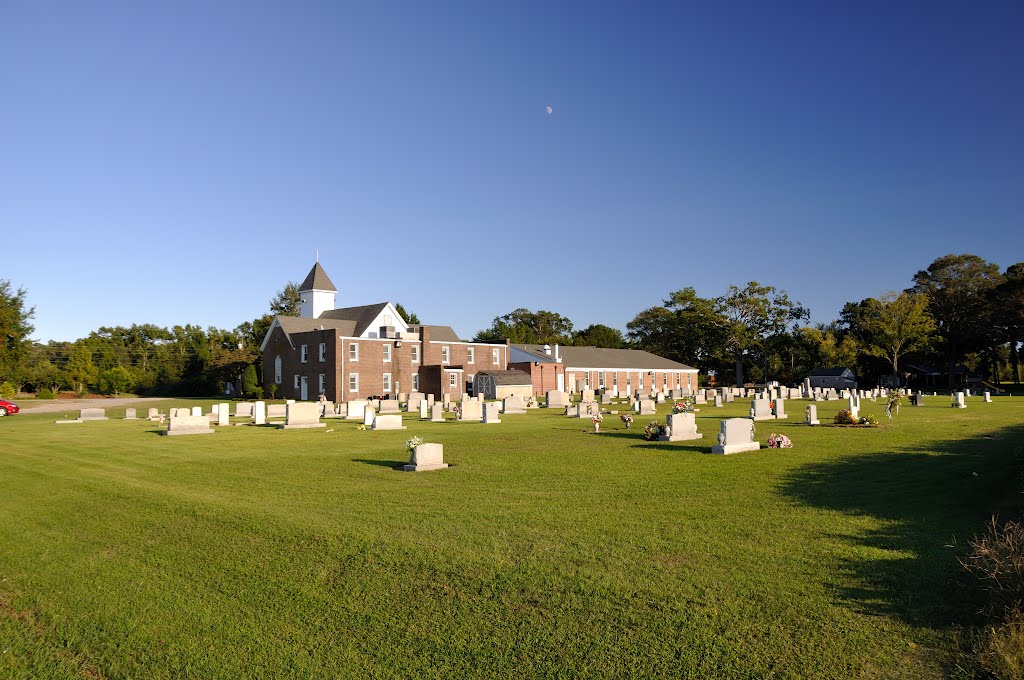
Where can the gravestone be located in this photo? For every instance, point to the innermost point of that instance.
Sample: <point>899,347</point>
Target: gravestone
<point>513,404</point>
<point>302,415</point>
<point>730,397</point>
<point>660,397</point>
<point>243,409</point>
<point>356,409</point>
<point>645,407</point>
<point>326,409</point>
<point>389,406</point>
<point>606,398</point>
<point>959,403</point>
<point>154,414</point>
<point>700,398</point>
<point>735,435</point>
<point>811,415</point>
<point>368,415</point>
<point>424,409</point>
<point>223,414</point>
<point>190,424</point>
<point>780,409</point>
<point>557,399</point>
<point>391,421</point>
<point>761,409</point>
<point>179,412</point>
<point>917,400</point>
<point>426,457</point>
<point>587,395</point>
<point>259,413</point>
<point>197,411</point>
<point>988,397</point>
<point>852,406</point>
<point>718,402</point>
<point>430,399</point>
<point>92,414</point>
<point>572,411</point>
<point>491,413</point>
<point>681,427</point>
<point>129,414</point>
<point>277,410</point>
<point>472,410</point>
<point>436,413</point>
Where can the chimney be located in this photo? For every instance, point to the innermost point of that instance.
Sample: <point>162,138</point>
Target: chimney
<point>557,357</point>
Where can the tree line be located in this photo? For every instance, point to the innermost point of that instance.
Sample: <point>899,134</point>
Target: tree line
<point>959,315</point>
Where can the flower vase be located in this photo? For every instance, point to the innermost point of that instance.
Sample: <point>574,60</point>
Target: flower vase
<point>628,424</point>
<point>597,427</point>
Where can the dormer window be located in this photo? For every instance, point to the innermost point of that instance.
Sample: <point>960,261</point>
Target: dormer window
<point>387,320</point>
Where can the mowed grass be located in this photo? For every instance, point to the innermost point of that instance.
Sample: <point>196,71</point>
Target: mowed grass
<point>545,551</point>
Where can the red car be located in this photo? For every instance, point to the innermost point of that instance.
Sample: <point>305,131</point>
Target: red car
<point>8,408</point>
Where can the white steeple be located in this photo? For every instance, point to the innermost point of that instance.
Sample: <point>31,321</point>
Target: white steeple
<point>317,294</point>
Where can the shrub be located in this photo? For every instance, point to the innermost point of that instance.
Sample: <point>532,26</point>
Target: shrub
<point>6,389</point>
<point>249,382</point>
<point>45,394</point>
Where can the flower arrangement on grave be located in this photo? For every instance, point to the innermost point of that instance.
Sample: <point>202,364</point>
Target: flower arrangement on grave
<point>597,418</point>
<point>867,420</point>
<point>360,427</point>
<point>627,419</point>
<point>457,410</point>
<point>685,405</point>
<point>412,443</point>
<point>653,430</point>
<point>893,405</point>
<point>779,441</point>
<point>845,417</point>
<point>771,406</point>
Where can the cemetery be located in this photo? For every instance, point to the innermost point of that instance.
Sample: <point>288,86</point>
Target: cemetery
<point>230,507</point>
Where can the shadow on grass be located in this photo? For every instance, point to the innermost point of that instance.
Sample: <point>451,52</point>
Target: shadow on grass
<point>394,465</point>
<point>931,499</point>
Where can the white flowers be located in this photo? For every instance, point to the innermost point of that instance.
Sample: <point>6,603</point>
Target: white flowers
<point>413,443</point>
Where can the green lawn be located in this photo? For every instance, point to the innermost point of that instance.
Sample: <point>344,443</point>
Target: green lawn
<point>544,551</point>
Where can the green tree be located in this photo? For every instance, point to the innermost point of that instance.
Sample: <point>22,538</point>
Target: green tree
<point>15,327</point>
<point>688,328</point>
<point>410,317</point>
<point>45,375</point>
<point>522,326</point>
<point>899,323</point>
<point>287,301</point>
<point>1009,321</point>
<point>754,314</point>
<point>80,368</point>
<point>250,383</point>
<point>959,290</point>
<point>599,335</point>
<point>116,380</point>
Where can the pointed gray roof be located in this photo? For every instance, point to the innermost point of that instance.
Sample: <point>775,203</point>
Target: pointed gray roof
<point>317,280</point>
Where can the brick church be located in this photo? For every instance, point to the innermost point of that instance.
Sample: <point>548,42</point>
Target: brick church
<point>369,351</point>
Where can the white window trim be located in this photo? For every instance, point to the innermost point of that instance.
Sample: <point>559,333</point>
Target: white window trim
<point>446,354</point>
<point>415,352</point>
<point>386,380</point>
<point>277,370</point>
<point>453,380</point>
<point>350,387</point>
<point>322,383</point>
<point>297,382</point>
<point>471,355</point>
<point>415,382</point>
<point>323,352</point>
<point>304,353</point>
<point>386,350</point>
<point>353,346</point>
<point>496,356</point>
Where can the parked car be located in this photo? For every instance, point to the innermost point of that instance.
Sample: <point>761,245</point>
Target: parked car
<point>8,408</point>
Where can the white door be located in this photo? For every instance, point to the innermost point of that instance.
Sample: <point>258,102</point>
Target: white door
<point>304,390</point>
<point>561,382</point>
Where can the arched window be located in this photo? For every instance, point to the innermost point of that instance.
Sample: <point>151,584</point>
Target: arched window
<point>277,369</point>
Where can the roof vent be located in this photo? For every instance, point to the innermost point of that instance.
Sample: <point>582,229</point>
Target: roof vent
<point>547,350</point>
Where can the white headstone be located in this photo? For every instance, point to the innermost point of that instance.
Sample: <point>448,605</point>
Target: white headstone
<point>391,421</point>
<point>426,457</point>
<point>735,435</point>
<point>223,414</point>
<point>259,413</point>
<point>681,427</point>
<point>302,415</point>
<point>761,409</point>
<point>811,413</point>
<point>190,424</point>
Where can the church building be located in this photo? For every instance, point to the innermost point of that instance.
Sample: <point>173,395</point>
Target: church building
<point>367,351</point>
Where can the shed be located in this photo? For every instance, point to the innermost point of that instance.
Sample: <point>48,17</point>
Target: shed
<point>501,384</point>
<point>838,378</point>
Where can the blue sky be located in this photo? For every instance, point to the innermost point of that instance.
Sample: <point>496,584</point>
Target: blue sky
<point>176,163</point>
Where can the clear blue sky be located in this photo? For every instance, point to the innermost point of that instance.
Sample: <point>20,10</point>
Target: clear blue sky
<point>179,162</point>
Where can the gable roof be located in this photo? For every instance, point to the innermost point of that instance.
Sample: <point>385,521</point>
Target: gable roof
<point>297,324</point>
<point>510,377</point>
<point>603,357</point>
<point>317,279</point>
<point>439,333</point>
<point>829,372</point>
<point>361,317</point>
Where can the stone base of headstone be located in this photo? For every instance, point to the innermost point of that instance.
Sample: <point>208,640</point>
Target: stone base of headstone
<point>735,448</point>
<point>679,437</point>
<point>303,426</point>
<point>67,422</point>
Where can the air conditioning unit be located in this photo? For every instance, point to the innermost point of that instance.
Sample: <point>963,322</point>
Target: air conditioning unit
<point>387,331</point>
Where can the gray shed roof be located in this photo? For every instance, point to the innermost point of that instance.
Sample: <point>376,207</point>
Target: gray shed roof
<point>511,377</point>
<point>439,333</point>
<point>828,372</point>
<point>317,279</point>
<point>602,357</point>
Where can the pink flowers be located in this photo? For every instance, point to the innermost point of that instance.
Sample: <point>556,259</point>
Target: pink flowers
<point>779,441</point>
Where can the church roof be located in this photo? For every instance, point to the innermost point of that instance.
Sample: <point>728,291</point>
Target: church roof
<point>361,317</point>
<point>317,279</point>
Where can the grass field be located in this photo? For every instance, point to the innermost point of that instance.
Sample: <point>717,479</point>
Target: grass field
<point>545,551</point>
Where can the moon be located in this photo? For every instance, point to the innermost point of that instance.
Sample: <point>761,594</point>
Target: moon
<point>549,110</point>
